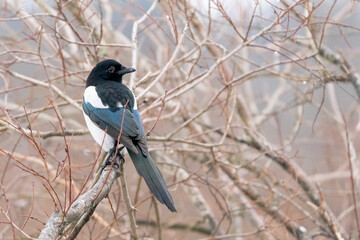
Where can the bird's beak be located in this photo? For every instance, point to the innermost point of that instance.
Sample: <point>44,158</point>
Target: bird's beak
<point>125,70</point>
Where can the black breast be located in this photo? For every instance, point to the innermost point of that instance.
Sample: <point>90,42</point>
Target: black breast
<point>111,93</point>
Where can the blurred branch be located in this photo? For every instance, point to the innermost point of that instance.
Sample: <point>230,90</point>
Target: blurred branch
<point>293,228</point>
<point>8,217</point>
<point>168,64</point>
<point>135,43</point>
<point>70,132</point>
<point>177,226</point>
<point>340,61</point>
<point>195,194</point>
<point>46,85</point>
<point>302,179</point>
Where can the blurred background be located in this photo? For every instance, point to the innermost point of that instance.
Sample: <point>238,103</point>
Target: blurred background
<point>252,109</point>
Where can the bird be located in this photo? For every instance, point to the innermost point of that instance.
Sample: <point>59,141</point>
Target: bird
<point>110,110</point>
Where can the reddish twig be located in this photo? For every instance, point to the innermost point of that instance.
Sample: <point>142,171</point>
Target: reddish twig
<point>158,117</point>
<point>31,208</point>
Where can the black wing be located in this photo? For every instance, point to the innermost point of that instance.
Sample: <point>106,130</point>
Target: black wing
<point>115,121</point>
<point>111,93</point>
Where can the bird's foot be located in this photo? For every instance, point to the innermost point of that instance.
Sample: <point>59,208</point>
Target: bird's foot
<point>111,160</point>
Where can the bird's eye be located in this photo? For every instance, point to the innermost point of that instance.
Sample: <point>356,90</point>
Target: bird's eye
<point>111,69</point>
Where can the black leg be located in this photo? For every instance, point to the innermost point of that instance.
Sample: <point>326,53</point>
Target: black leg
<point>111,158</point>
<point>122,159</point>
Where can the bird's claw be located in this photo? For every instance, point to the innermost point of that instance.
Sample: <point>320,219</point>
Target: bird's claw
<point>110,158</point>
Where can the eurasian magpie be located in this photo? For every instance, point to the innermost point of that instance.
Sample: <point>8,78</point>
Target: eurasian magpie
<point>110,110</point>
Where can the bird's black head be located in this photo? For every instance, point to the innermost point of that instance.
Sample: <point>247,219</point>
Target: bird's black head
<point>107,70</point>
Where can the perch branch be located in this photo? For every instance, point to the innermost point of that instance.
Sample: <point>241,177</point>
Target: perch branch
<point>84,205</point>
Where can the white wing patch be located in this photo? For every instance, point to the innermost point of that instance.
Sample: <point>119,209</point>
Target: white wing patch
<point>91,96</point>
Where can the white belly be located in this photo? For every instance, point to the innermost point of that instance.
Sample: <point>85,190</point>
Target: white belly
<point>99,135</point>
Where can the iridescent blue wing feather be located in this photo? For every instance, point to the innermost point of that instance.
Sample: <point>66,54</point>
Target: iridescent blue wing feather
<point>115,121</point>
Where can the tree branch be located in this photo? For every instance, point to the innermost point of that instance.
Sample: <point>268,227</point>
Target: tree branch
<point>84,206</point>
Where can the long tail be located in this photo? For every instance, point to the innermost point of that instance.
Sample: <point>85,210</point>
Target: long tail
<point>146,168</point>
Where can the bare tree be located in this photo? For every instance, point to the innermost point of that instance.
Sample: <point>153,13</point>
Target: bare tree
<point>251,109</point>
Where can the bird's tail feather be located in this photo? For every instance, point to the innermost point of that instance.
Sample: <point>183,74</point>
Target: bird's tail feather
<point>146,168</point>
